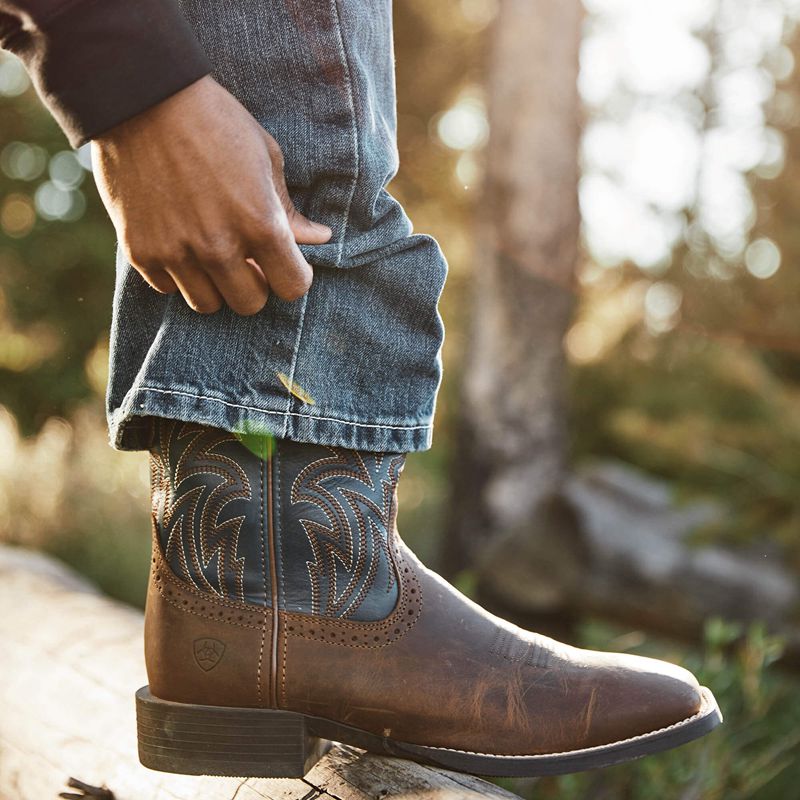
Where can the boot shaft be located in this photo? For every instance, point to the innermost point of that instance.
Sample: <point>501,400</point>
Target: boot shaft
<point>298,527</point>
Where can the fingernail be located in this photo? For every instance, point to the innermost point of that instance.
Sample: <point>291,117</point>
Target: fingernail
<point>322,228</point>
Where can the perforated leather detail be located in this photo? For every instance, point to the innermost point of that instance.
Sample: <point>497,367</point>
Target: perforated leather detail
<point>352,633</point>
<point>191,600</point>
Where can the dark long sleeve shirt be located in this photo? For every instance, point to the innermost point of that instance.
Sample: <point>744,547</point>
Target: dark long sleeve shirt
<point>96,63</point>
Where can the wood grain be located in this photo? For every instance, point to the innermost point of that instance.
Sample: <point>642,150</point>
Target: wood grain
<point>70,661</point>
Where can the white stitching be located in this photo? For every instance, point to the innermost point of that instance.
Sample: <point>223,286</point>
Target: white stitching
<point>286,413</point>
<point>264,569</point>
<point>294,366</point>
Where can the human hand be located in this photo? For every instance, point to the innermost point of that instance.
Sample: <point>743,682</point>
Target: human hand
<point>196,191</point>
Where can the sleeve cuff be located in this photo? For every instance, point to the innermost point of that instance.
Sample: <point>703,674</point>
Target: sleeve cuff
<point>103,61</point>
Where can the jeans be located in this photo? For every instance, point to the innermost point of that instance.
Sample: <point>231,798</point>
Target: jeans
<point>355,363</point>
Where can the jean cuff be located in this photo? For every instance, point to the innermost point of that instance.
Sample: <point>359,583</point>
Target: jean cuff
<point>129,428</point>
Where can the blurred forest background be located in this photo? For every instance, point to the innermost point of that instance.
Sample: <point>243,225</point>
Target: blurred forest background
<point>617,188</point>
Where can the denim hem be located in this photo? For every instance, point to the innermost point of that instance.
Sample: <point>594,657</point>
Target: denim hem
<point>127,430</point>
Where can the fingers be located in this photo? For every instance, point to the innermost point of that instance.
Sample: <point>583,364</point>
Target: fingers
<point>274,249</point>
<point>274,246</point>
<point>235,246</point>
<point>148,267</point>
<point>160,281</point>
<point>303,229</point>
<point>206,277</point>
<point>197,288</point>
<point>241,284</point>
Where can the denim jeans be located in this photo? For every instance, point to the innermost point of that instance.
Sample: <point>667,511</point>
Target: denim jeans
<point>356,362</point>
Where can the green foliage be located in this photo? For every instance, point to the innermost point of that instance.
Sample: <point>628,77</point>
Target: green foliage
<point>56,266</point>
<point>66,492</point>
<point>710,416</point>
<point>116,561</point>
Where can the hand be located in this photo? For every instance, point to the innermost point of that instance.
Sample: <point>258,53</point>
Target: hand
<point>195,189</point>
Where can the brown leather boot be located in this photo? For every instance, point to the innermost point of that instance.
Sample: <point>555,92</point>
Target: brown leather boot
<point>284,611</point>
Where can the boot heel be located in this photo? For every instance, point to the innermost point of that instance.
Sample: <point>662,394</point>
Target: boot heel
<point>214,740</point>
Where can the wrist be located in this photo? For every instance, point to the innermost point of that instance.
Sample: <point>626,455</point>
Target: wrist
<point>165,111</point>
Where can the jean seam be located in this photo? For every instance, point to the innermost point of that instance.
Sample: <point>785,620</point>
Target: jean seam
<point>284,413</point>
<point>293,365</point>
<point>354,123</point>
<point>346,216</point>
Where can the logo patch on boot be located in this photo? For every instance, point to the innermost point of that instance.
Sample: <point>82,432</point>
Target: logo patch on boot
<point>208,653</point>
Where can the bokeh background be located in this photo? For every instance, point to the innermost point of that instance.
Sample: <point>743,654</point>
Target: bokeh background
<point>617,450</point>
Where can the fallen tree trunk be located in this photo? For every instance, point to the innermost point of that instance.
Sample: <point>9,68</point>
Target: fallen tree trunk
<point>71,661</point>
<point>615,545</point>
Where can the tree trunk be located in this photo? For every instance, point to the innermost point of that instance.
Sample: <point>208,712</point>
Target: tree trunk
<point>511,450</point>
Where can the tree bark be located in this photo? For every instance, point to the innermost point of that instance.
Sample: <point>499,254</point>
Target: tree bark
<point>511,449</point>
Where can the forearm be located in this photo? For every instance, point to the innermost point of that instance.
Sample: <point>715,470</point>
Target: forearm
<point>96,63</point>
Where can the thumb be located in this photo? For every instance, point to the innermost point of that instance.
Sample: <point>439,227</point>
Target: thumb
<point>304,230</point>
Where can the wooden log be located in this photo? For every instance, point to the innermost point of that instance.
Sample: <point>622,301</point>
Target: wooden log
<point>70,661</point>
<point>617,546</point>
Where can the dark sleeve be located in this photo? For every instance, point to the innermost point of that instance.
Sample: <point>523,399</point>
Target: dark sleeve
<point>96,63</point>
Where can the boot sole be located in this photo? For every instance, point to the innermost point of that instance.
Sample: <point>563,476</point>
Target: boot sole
<point>266,743</point>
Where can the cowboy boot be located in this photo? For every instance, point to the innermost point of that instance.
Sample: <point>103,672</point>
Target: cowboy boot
<point>284,611</point>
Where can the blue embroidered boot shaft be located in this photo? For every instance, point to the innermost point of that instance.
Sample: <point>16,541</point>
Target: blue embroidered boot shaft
<point>216,495</point>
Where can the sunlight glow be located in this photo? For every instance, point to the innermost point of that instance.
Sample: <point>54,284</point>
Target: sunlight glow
<point>464,126</point>
<point>762,258</point>
<point>667,134</point>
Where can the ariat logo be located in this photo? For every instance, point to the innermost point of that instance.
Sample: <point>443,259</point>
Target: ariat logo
<point>208,653</point>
